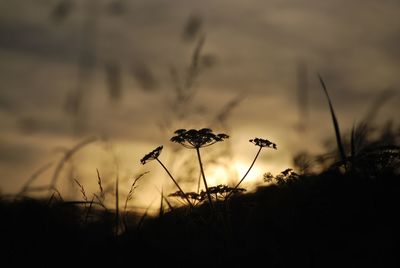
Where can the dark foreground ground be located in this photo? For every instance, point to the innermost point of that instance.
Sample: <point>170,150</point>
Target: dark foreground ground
<point>328,220</point>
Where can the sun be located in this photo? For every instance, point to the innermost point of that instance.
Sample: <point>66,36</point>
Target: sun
<point>230,176</point>
<point>251,178</point>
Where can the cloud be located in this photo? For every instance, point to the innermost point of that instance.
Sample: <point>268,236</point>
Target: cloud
<point>257,44</point>
<point>14,153</point>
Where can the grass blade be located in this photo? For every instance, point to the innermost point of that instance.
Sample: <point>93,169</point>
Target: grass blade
<point>89,210</point>
<point>141,221</point>
<point>352,142</point>
<point>67,156</point>
<point>335,122</point>
<point>161,212</point>
<point>116,206</point>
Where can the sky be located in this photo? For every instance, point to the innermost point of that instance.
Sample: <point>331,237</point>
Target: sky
<point>75,69</point>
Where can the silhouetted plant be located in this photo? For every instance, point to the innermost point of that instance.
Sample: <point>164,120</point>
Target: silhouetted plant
<point>219,191</point>
<point>195,197</point>
<point>153,155</point>
<point>335,123</point>
<point>88,204</point>
<point>262,143</point>
<point>129,197</point>
<point>185,81</point>
<point>369,152</point>
<point>285,177</point>
<point>223,191</point>
<point>196,139</point>
<point>82,189</point>
<point>102,194</point>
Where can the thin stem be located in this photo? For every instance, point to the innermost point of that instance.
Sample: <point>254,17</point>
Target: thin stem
<point>252,164</point>
<point>116,205</point>
<point>204,177</point>
<point>198,183</point>
<point>177,185</point>
<point>89,209</point>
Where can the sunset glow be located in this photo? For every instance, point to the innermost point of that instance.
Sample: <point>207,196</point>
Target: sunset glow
<point>181,133</point>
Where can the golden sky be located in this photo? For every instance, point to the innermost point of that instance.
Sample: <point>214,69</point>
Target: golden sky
<point>122,60</point>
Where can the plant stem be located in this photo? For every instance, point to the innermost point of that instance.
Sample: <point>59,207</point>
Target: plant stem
<point>204,178</point>
<point>177,185</point>
<point>198,183</point>
<point>237,185</point>
<point>116,206</point>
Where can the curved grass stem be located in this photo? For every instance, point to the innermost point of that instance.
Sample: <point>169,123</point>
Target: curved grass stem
<point>177,185</point>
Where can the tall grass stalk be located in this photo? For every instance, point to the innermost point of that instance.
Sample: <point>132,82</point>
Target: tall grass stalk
<point>129,197</point>
<point>352,143</point>
<point>67,156</point>
<point>82,189</point>
<point>161,211</point>
<point>146,212</point>
<point>339,142</point>
<point>116,205</point>
<point>133,187</point>
<point>89,210</point>
<point>102,195</point>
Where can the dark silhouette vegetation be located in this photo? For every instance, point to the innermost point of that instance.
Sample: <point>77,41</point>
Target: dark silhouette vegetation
<point>325,220</point>
<point>345,215</point>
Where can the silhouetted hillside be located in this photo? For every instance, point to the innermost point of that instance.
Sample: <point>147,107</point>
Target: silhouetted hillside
<point>325,220</point>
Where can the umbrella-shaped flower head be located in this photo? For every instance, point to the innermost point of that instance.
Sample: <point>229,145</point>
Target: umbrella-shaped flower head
<point>263,143</point>
<point>152,155</point>
<point>193,138</point>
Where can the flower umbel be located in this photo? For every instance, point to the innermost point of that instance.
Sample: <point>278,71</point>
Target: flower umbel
<point>193,138</point>
<point>258,142</point>
<point>263,143</point>
<point>196,139</point>
<point>219,191</point>
<point>152,155</point>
